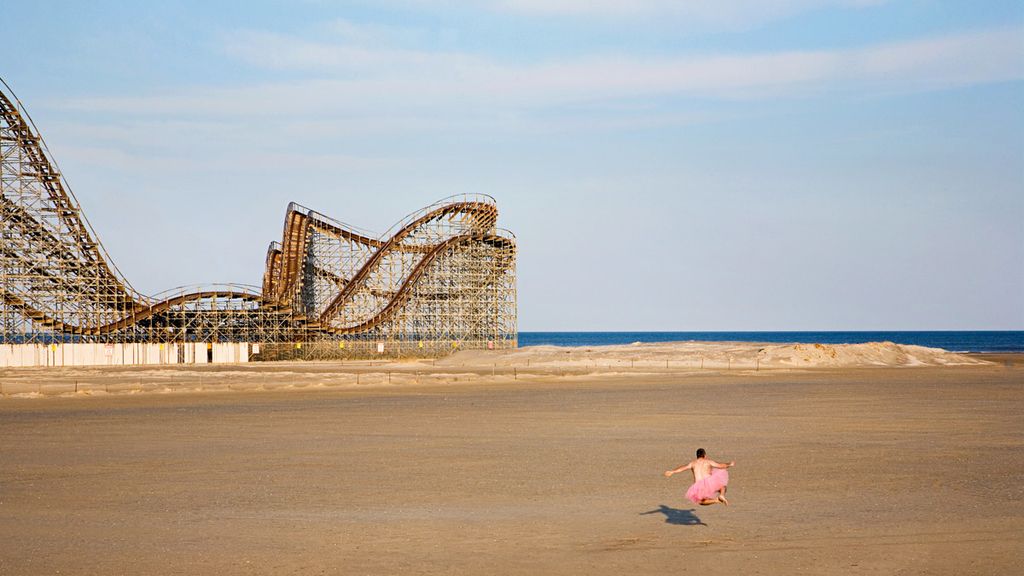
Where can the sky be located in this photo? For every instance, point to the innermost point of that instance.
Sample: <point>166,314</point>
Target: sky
<point>664,165</point>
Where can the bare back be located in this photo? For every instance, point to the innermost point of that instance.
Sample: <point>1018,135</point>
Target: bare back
<point>701,468</point>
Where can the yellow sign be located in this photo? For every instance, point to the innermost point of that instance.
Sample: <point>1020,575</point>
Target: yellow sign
<point>421,344</point>
<point>298,345</point>
<point>341,345</point>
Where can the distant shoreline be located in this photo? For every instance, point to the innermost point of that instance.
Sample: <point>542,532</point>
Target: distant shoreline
<point>959,341</point>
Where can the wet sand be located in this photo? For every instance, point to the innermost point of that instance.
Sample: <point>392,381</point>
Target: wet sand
<point>839,471</point>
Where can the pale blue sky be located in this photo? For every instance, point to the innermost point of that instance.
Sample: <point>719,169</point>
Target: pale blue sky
<point>665,165</point>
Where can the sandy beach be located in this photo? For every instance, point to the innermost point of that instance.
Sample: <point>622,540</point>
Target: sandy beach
<point>470,466</point>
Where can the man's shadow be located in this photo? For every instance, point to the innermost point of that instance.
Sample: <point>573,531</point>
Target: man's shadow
<point>677,516</point>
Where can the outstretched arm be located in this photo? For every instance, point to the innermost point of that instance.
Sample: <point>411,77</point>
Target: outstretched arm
<point>677,470</point>
<point>720,465</point>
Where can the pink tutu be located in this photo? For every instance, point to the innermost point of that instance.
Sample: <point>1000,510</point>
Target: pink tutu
<point>708,487</point>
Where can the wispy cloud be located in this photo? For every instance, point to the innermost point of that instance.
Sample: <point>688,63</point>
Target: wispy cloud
<point>358,84</point>
<point>704,10</point>
<point>706,14</point>
<point>350,80</point>
<point>366,52</point>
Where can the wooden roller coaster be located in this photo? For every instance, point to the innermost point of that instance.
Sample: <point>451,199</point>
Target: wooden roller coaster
<point>440,279</point>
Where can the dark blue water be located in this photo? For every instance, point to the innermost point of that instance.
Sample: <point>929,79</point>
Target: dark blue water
<point>962,341</point>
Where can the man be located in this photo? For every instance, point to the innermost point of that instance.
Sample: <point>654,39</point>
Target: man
<point>709,480</point>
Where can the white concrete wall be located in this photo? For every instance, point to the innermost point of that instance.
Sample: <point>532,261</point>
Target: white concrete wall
<point>199,356</point>
<point>24,355</point>
<point>230,353</point>
<point>222,353</point>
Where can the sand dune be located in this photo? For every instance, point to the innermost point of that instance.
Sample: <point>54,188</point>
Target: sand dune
<point>716,355</point>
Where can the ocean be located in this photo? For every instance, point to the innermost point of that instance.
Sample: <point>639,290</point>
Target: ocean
<point>954,341</point>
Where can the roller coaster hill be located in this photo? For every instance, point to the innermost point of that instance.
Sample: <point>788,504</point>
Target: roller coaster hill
<point>441,279</point>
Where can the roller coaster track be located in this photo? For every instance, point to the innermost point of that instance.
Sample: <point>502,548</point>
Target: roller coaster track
<point>140,314</point>
<point>402,295</point>
<point>444,273</point>
<point>285,264</point>
<point>394,244</point>
<point>37,166</point>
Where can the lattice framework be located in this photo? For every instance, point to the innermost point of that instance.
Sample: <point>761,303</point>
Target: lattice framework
<point>441,278</point>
